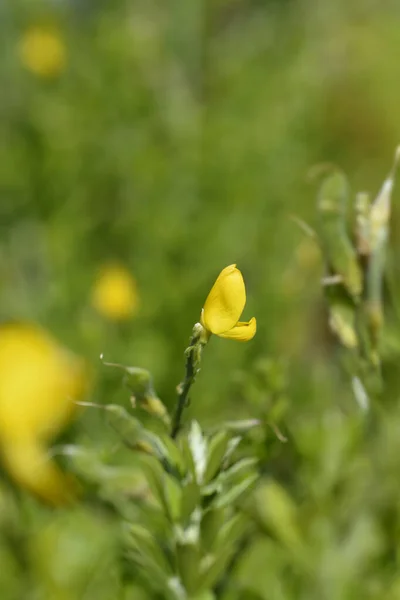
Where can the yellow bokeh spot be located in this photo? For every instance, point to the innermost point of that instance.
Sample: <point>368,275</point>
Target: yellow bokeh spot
<point>42,51</point>
<point>115,294</point>
<point>39,383</point>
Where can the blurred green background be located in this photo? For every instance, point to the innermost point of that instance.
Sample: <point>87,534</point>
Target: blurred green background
<point>175,138</point>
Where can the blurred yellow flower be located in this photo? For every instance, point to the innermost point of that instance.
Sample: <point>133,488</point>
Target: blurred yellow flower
<point>224,306</point>
<point>39,382</point>
<point>42,51</point>
<point>115,294</point>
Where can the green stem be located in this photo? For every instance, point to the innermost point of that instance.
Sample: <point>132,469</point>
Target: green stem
<point>186,384</point>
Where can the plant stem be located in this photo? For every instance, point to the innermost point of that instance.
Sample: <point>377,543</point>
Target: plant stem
<point>186,384</point>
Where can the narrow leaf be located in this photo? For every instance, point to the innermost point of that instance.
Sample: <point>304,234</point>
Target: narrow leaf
<point>216,452</point>
<point>198,448</point>
<point>236,492</point>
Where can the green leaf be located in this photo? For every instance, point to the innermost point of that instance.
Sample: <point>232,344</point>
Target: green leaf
<point>279,513</point>
<point>231,532</point>
<point>380,211</point>
<point>173,497</point>
<point>231,447</point>
<point>128,427</point>
<point>236,492</point>
<point>173,454</point>
<point>139,381</point>
<point>362,224</point>
<point>340,254</point>
<point>342,315</point>
<point>190,466</point>
<point>243,426</point>
<point>216,452</point>
<point>84,462</point>
<point>175,589</point>
<point>231,476</point>
<point>155,478</point>
<point>150,571</point>
<point>198,449</point>
<point>211,524</point>
<point>205,595</point>
<point>155,445</point>
<point>379,222</point>
<point>239,469</point>
<point>145,545</point>
<point>188,561</point>
<point>151,516</point>
<point>212,568</point>
<point>190,499</point>
<point>164,487</point>
<point>140,384</point>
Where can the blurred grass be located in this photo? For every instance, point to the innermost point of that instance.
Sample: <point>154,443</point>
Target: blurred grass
<point>175,140</point>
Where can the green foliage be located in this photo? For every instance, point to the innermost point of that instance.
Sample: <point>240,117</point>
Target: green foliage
<point>175,140</point>
<point>185,531</point>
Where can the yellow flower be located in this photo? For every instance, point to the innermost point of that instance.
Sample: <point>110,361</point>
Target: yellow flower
<point>42,51</point>
<point>224,306</point>
<point>39,382</point>
<point>115,293</point>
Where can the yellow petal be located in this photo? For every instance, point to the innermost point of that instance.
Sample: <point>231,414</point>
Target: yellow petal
<point>243,332</point>
<point>225,302</point>
<point>39,382</point>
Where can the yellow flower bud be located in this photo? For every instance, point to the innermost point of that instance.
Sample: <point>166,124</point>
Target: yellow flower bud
<point>42,51</point>
<point>115,293</point>
<point>39,382</point>
<point>224,306</point>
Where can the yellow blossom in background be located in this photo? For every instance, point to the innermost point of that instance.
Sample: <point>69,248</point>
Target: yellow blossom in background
<point>224,306</point>
<point>114,294</point>
<point>42,51</point>
<point>39,383</point>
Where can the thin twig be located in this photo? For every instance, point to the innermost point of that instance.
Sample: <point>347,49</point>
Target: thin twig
<point>185,385</point>
<point>305,227</point>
